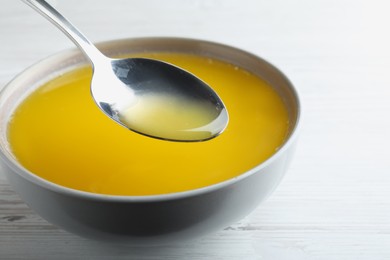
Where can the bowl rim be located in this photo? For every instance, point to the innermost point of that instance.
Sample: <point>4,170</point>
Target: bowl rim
<point>30,176</point>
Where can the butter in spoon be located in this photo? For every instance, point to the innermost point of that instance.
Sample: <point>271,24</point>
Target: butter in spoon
<point>147,96</point>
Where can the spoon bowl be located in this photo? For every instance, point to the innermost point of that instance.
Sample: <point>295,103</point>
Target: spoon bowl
<point>150,97</point>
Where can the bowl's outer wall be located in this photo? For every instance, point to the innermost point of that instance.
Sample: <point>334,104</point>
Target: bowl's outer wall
<point>160,221</point>
<point>152,223</point>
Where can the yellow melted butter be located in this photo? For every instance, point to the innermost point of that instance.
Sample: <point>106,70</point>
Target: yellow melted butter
<point>170,117</point>
<point>59,134</point>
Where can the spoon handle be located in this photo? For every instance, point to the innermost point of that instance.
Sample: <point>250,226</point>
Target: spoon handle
<point>51,14</point>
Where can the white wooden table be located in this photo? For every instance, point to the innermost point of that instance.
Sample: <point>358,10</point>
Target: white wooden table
<point>335,200</point>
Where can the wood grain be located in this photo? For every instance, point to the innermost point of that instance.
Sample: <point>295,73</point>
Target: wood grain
<point>334,202</point>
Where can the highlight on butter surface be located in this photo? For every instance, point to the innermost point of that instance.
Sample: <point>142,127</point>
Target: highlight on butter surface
<point>59,134</point>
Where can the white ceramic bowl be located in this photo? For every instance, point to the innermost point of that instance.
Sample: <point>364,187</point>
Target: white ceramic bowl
<point>147,220</point>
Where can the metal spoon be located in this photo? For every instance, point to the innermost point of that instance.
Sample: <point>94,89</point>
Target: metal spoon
<point>147,96</point>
